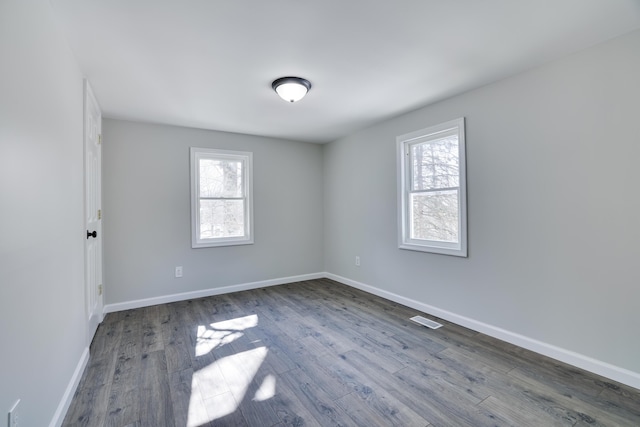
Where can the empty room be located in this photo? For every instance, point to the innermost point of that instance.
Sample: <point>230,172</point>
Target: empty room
<point>314,213</point>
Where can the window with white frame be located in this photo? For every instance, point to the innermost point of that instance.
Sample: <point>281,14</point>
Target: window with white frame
<point>432,214</point>
<point>221,198</point>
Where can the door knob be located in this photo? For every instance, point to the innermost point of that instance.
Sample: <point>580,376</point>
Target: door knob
<point>94,234</point>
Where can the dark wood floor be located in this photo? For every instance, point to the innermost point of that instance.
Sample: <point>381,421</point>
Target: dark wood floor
<point>319,353</point>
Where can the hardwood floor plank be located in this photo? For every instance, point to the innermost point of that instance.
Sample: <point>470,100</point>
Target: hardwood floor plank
<point>376,351</point>
<point>123,403</point>
<point>188,406</point>
<point>570,380</point>
<point>313,346</point>
<point>417,347</point>
<point>156,407</point>
<point>108,335</point>
<point>323,408</point>
<point>482,381</point>
<point>316,369</point>
<point>176,342</point>
<point>89,405</point>
<point>339,337</point>
<point>488,354</point>
<point>376,399</point>
<point>124,408</point>
<point>274,308</point>
<point>289,409</point>
<point>436,401</point>
<point>449,402</point>
<point>623,398</point>
<point>291,325</point>
<point>151,330</point>
<point>509,412</point>
<point>330,337</point>
<point>360,413</point>
<point>131,337</point>
<point>560,375</point>
<point>354,297</point>
<point>586,408</point>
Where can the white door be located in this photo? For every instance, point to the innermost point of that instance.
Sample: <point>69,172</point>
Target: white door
<point>93,209</point>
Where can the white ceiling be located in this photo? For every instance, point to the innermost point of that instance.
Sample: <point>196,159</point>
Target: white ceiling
<point>210,63</point>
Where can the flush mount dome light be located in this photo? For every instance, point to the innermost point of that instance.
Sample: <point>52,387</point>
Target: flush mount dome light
<point>291,89</point>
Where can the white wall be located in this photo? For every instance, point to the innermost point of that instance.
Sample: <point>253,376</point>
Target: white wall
<point>147,212</point>
<point>553,206</point>
<point>42,315</point>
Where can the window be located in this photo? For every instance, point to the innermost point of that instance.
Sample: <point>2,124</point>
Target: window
<point>432,214</point>
<point>221,203</point>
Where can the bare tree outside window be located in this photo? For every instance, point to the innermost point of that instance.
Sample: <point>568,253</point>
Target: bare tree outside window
<point>434,194</point>
<point>221,199</point>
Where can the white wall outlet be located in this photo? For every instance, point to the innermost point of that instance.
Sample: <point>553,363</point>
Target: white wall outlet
<point>358,261</point>
<point>14,415</point>
<point>179,271</point>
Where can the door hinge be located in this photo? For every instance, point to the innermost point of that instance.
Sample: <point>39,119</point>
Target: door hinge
<point>99,289</point>
<point>99,138</point>
<point>99,213</point>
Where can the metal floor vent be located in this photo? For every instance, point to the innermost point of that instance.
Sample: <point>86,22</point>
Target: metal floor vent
<point>426,322</point>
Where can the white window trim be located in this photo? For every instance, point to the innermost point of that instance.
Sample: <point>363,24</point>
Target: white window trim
<point>247,158</point>
<point>404,177</point>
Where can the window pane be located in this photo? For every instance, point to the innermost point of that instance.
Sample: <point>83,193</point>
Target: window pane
<point>221,218</point>
<point>435,164</point>
<point>434,216</point>
<point>220,178</point>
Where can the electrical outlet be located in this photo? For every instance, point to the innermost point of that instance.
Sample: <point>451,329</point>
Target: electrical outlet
<point>358,261</point>
<point>179,271</point>
<point>14,415</point>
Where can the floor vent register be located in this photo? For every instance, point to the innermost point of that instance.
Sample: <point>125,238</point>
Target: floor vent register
<point>426,322</point>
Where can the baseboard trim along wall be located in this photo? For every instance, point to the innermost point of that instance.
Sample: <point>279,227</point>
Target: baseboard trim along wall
<point>607,370</point>
<point>61,411</point>
<point>110,308</point>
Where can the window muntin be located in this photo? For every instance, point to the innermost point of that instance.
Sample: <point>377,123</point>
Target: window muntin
<point>221,205</point>
<point>432,189</point>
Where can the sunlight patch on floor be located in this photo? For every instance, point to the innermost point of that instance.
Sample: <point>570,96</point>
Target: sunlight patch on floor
<point>223,384</point>
<point>267,389</point>
<point>210,337</point>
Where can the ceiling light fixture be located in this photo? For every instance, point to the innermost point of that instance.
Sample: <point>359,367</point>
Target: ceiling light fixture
<point>291,89</point>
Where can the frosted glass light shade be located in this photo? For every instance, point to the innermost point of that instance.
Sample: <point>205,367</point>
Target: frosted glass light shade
<point>291,92</point>
<point>291,89</point>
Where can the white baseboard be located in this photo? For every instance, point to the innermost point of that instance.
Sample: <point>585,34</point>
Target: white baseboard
<point>110,308</point>
<point>599,367</point>
<point>61,411</point>
<point>595,366</point>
